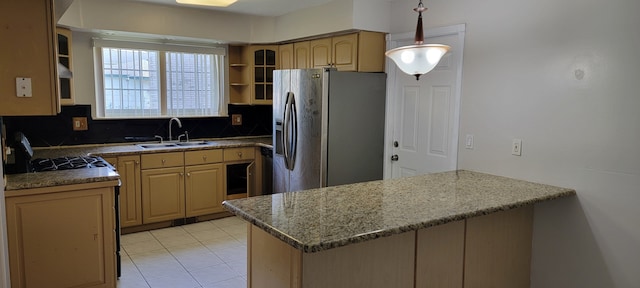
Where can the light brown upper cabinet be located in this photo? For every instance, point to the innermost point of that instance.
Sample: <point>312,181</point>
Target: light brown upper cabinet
<point>28,52</point>
<point>301,52</point>
<point>362,51</point>
<point>251,73</point>
<point>263,60</point>
<point>285,55</point>
<point>65,58</point>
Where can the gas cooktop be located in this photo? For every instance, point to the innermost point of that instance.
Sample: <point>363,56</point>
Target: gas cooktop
<point>66,163</point>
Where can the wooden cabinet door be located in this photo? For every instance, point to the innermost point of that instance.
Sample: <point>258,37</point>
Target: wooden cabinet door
<point>301,52</point>
<point>264,59</point>
<point>204,189</point>
<point>286,57</point>
<point>320,53</point>
<point>130,191</point>
<point>162,194</point>
<point>63,239</point>
<point>345,52</point>
<point>28,50</point>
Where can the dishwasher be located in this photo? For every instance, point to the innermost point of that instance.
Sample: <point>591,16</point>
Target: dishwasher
<point>267,170</point>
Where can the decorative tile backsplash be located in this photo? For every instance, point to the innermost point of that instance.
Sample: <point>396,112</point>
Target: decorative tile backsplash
<point>43,131</point>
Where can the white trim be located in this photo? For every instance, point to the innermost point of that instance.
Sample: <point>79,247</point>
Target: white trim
<point>392,71</point>
<point>160,46</point>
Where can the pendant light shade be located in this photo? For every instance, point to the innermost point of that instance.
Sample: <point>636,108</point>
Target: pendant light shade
<point>419,58</point>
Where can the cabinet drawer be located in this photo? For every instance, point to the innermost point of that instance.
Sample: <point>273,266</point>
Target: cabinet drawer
<point>203,157</point>
<point>162,160</point>
<point>236,154</point>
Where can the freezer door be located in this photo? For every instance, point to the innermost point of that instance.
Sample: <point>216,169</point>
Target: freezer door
<point>307,86</point>
<point>281,87</point>
<point>355,141</point>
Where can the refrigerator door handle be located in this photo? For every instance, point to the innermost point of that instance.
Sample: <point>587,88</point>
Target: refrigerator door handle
<point>285,132</point>
<point>294,130</point>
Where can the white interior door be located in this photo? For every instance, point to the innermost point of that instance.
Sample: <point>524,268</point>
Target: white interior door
<point>423,115</point>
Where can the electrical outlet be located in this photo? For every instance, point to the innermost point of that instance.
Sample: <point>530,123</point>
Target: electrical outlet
<point>23,87</point>
<point>236,119</point>
<point>516,147</point>
<point>80,124</point>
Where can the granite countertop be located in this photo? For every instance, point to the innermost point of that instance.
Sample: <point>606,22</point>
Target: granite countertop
<point>119,149</point>
<point>59,178</point>
<point>79,176</point>
<point>325,218</point>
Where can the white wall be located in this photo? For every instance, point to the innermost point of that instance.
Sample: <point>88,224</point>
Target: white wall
<point>564,77</point>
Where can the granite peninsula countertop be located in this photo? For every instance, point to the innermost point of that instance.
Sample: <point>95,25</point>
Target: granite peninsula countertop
<point>331,217</point>
<point>80,176</point>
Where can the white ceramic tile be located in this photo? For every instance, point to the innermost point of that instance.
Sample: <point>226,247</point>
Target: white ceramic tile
<point>239,267</point>
<point>214,274</point>
<point>168,232</point>
<point>237,282</point>
<point>136,237</point>
<point>201,226</point>
<point>142,247</point>
<point>161,269</point>
<point>195,256</point>
<point>211,253</point>
<point>212,233</point>
<point>177,240</point>
<point>182,280</point>
<point>221,243</point>
<point>229,221</point>
<point>233,254</point>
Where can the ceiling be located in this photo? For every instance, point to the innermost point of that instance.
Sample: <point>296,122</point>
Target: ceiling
<point>254,7</point>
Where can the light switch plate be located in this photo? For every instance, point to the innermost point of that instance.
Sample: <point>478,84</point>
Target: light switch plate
<point>23,87</point>
<point>516,147</point>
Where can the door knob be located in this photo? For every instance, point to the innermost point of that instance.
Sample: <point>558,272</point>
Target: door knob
<point>394,158</point>
<point>395,144</point>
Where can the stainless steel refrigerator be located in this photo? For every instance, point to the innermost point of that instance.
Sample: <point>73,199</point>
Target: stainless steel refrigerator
<point>328,128</point>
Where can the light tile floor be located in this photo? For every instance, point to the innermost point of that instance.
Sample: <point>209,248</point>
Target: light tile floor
<point>202,255</point>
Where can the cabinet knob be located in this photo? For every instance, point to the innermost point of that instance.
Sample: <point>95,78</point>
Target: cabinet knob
<point>137,162</point>
<point>240,154</point>
<point>181,174</point>
<point>204,157</point>
<point>163,161</point>
<point>188,174</point>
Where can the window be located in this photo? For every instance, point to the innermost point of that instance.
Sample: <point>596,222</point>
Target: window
<point>149,80</point>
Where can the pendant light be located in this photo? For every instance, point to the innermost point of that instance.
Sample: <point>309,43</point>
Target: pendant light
<point>419,58</point>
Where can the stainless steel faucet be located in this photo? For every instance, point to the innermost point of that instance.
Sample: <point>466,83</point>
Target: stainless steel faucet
<point>171,121</point>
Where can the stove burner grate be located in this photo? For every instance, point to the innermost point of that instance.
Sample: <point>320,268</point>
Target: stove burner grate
<point>66,163</point>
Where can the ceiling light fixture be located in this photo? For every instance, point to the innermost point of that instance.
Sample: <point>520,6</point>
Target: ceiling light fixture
<point>419,58</point>
<point>216,3</point>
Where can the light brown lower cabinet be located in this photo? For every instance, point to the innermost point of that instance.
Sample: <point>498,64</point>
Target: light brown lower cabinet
<point>162,194</point>
<point>62,237</point>
<point>204,189</point>
<point>485,251</point>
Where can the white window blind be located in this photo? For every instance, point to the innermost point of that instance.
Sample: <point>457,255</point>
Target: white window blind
<point>151,80</point>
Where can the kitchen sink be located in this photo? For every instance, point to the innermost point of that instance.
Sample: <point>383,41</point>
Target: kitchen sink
<point>156,145</point>
<point>194,143</point>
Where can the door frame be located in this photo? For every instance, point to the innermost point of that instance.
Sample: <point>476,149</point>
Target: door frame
<point>392,84</point>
